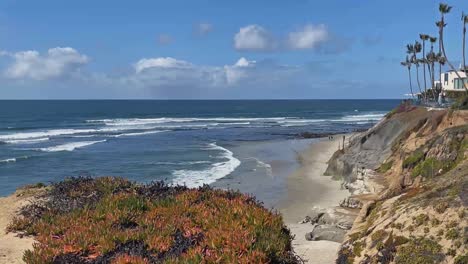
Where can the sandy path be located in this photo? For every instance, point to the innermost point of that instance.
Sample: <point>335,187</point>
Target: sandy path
<point>11,246</point>
<point>308,188</point>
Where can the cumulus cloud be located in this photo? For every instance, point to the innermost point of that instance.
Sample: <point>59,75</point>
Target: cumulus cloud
<point>56,63</point>
<point>308,37</point>
<point>257,38</point>
<point>167,62</point>
<point>254,37</point>
<point>164,39</point>
<point>238,71</point>
<point>202,29</point>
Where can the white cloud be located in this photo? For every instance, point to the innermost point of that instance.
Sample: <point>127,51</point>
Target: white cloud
<point>238,71</point>
<point>164,39</point>
<point>309,37</point>
<point>254,37</point>
<point>167,62</point>
<point>56,63</point>
<point>202,29</point>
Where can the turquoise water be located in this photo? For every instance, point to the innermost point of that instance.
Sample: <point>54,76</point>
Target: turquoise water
<point>185,142</point>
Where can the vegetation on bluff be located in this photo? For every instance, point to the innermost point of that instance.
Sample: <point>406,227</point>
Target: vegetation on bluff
<point>112,220</point>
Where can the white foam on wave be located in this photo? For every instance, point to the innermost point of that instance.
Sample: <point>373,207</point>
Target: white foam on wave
<point>162,120</point>
<point>264,165</point>
<point>361,118</point>
<point>67,132</point>
<point>196,178</point>
<point>9,160</point>
<point>140,133</point>
<point>183,163</point>
<point>42,134</point>
<point>26,141</point>
<point>70,146</point>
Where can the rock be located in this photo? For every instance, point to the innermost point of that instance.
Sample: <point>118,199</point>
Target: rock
<point>313,218</point>
<point>351,203</point>
<point>329,233</point>
<point>306,220</point>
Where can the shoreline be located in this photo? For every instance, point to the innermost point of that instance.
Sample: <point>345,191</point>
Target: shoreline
<point>305,189</point>
<point>308,190</point>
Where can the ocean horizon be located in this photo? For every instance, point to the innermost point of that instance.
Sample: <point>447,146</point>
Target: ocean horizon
<point>188,142</point>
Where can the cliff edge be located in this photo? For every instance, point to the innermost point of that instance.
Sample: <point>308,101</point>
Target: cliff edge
<point>409,176</point>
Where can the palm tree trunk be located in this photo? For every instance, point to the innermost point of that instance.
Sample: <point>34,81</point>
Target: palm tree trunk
<point>448,62</point>
<point>424,70</point>
<point>433,81</point>
<point>417,79</point>
<point>464,35</point>
<point>410,83</point>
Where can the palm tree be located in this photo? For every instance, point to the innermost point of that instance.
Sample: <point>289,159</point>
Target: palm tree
<point>445,9</point>
<point>424,37</point>
<point>431,59</point>
<point>432,64</point>
<point>464,21</point>
<point>416,48</point>
<point>441,60</point>
<point>433,40</point>
<point>407,63</point>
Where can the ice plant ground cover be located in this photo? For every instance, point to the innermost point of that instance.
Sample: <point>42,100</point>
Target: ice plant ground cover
<point>112,220</point>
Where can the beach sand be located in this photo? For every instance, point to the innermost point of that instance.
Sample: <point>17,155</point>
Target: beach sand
<point>12,247</point>
<point>308,188</point>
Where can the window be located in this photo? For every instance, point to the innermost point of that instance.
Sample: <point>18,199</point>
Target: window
<point>446,77</point>
<point>459,83</point>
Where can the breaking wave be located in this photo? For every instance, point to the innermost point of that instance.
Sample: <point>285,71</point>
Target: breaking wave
<point>70,146</point>
<point>197,178</point>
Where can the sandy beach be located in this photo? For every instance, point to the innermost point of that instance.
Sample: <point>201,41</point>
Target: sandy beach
<point>308,188</point>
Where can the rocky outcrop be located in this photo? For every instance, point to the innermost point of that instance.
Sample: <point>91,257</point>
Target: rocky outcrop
<point>371,148</point>
<point>351,202</point>
<point>327,225</point>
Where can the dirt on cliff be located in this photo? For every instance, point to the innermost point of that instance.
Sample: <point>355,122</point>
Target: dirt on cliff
<point>419,158</point>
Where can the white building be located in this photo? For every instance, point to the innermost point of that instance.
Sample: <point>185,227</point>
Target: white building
<point>451,82</point>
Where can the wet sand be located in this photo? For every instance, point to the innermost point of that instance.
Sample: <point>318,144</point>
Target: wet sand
<point>308,188</point>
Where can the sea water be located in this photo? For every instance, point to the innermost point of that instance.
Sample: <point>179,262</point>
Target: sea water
<point>180,142</point>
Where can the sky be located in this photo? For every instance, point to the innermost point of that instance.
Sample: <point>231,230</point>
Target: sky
<point>208,49</point>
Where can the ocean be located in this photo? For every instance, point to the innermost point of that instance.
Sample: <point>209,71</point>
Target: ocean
<point>219,142</point>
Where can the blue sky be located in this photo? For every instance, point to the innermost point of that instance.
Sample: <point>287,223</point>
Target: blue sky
<point>213,49</point>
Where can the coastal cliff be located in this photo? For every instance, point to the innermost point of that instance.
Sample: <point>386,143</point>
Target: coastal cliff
<point>409,176</point>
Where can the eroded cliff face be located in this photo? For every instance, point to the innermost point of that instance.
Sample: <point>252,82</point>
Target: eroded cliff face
<point>418,158</point>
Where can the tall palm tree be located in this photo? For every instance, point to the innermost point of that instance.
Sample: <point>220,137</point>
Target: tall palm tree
<point>416,48</point>
<point>433,40</point>
<point>441,60</point>
<point>424,37</point>
<point>432,65</point>
<point>431,59</point>
<point>464,21</point>
<point>407,63</point>
<point>445,9</point>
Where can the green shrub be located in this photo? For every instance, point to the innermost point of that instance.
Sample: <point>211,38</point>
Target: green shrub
<point>358,247</point>
<point>452,234</point>
<point>400,240</point>
<point>461,259</point>
<point>378,236</point>
<point>461,103</point>
<point>413,159</point>
<point>385,167</point>
<point>429,168</point>
<point>419,251</point>
<point>127,223</point>
<point>421,219</point>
